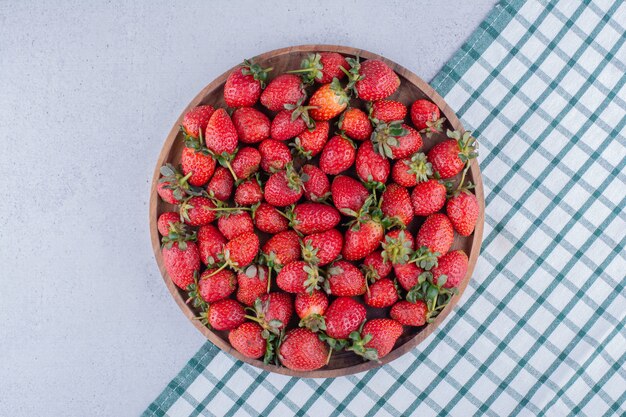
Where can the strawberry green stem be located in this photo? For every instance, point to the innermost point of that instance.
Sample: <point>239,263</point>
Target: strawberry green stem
<point>467,166</point>
<point>217,270</point>
<point>330,353</point>
<point>230,168</point>
<point>186,177</point>
<point>269,279</point>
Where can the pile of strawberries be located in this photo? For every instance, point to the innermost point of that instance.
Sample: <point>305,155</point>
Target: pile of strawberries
<point>303,197</point>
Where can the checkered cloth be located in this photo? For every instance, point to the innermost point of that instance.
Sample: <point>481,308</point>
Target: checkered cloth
<point>540,329</point>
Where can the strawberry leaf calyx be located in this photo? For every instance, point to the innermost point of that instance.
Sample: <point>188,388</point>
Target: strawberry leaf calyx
<point>425,258</point>
<point>397,250</point>
<point>310,69</point>
<point>358,343</point>
<point>259,73</point>
<point>420,167</point>
<point>385,137</point>
<point>314,322</point>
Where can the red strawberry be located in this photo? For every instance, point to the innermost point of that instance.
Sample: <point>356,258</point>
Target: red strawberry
<point>210,243</point>
<point>221,185</point>
<point>251,284</point>
<point>166,193</point>
<point>348,194</point>
<point>363,239</point>
<point>274,155</point>
<point>396,203</point>
<point>302,350</point>
<point>381,294</point>
<point>343,316</point>
<point>293,277</point>
<point>311,308</point>
<point>221,135</point>
<point>428,197</point>
<point>286,125</point>
<point>322,67</point>
<point>276,306</point>
<point>322,248</point>
<point>282,248</point>
<point>450,156</point>
<point>309,143</point>
<point>283,188</point>
<point>436,233</point>
<point>395,140</point>
<point>337,156</point>
<point>284,89</point>
<point>345,280</point>
<point>316,184</point>
<point>200,166</point>
<point>409,171</point>
<point>454,266</point>
<point>407,274</point>
<point>182,261</point>
<point>226,314</point>
<point>377,339</point>
<point>247,340</point>
<point>198,211</point>
<point>243,85</point>
<point>387,111</point>
<point>166,220</point>
<point>376,80</point>
<point>252,126</point>
<point>463,211</point>
<point>370,165</point>
<point>269,220</point>
<point>248,193</point>
<point>246,162</point>
<point>355,124</point>
<point>235,223</point>
<point>426,115</point>
<point>375,267</point>
<point>409,314</point>
<point>328,101</point>
<point>173,186</point>
<point>397,247</point>
<point>196,119</point>
<point>310,218</point>
<point>214,287</point>
<point>241,250</point>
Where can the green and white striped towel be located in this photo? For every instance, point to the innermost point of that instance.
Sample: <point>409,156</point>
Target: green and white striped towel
<point>540,329</point>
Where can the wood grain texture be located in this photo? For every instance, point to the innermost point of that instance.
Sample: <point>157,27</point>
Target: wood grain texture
<point>412,87</point>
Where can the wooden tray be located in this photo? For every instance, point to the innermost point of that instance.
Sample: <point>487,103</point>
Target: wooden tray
<point>411,88</point>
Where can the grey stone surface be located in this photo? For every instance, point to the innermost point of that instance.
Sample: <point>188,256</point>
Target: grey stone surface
<point>87,95</point>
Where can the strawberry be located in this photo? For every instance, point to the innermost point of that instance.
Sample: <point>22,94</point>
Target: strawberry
<point>182,261</point>
<point>251,125</point>
<point>235,223</point>
<point>322,67</point>
<point>436,233</point>
<point>247,340</point>
<point>337,156</point>
<point>282,248</point>
<point>463,211</point>
<point>200,166</point>
<point>322,248</point>
<point>240,251</point>
<point>376,80</point>
<point>275,306</point>
<point>311,308</point>
<point>248,193</point>
<point>287,124</point>
<point>396,204</point>
<point>370,165</point>
<point>166,220</point>
<point>428,197</point>
<point>252,284</point>
<point>214,287</point>
<point>198,211</point>
<point>454,266</point>
<point>302,350</point>
<point>362,239</point>
<point>310,142</point>
<point>293,277</point>
<point>284,89</point>
<point>269,220</point>
<point>409,314</point>
<point>343,316</point>
<point>196,119</point>
<point>407,274</point>
<point>375,267</point>
<point>425,115</point>
<point>173,186</point>
<point>450,156</point>
<point>316,184</point>
<point>376,339</point>
<point>283,188</point>
<point>345,280</point>
<point>246,162</point>
<point>221,135</point>
<point>307,218</point>
<point>381,294</point>
<point>397,247</point>
<point>348,194</point>
<point>355,124</point>
<point>226,314</point>
<point>210,243</point>
<point>243,85</point>
<point>275,155</point>
<point>409,171</point>
<point>328,101</point>
<point>221,185</point>
<point>387,111</point>
<point>396,140</point>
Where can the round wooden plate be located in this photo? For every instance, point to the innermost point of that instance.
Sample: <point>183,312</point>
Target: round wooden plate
<point>411,88</point>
